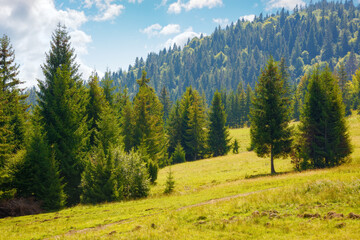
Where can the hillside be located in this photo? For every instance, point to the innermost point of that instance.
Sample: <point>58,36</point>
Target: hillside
<point>229,197</point>
<point>323,32</point>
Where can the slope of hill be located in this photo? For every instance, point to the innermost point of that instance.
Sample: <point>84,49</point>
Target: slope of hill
<point>324,32</point>
<point>228,197</point>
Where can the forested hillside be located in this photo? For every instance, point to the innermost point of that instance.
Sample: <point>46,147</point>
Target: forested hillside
<point>324,32</point>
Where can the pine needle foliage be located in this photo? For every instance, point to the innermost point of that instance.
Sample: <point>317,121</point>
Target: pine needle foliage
<point>270,131</point>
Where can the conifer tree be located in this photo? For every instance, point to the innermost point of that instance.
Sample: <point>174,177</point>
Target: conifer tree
<point>196,137</point>
<point>62,103</point>
<point>15,108</point>
<point>323,127</point>
<point>94,107</point>
<point>173,127</point>
<point>165,100</point>
<point>270,131</point>
<point>149,126</point>
<point>127,126</point>
<point>218,140</point>
<point>107,85</point>
<point>38,175</point>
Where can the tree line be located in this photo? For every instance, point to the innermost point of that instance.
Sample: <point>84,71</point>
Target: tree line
<point>84,142</point>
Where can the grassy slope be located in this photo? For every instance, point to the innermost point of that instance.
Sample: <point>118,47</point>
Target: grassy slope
<point>157,217</point>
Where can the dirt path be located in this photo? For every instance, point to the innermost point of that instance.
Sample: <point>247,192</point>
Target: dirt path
<point>212,201</point>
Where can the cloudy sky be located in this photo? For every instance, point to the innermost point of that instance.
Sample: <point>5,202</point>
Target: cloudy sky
<point>112,33</point>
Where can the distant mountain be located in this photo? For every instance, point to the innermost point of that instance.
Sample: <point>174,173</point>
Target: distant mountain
<point>323,32</point>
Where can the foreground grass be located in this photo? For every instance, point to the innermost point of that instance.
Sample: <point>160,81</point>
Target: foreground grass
<point>275,213</point>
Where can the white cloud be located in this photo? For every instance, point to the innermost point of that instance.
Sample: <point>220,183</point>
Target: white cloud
<point>157,29</point>
<point>107,9</point>
<point>170,29</point>
<point>29,24</point>
<point>249,18</point>
<point>110,12</point>
<point>288,4</point>
<point>134,1</point>
<point>182,38</point>
<point>152,30</point>
<point>176,7</point>
<point>223,22</point>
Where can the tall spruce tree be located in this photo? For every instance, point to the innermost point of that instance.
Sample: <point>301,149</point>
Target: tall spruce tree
<point>196,133</point>
<point>165,100</point>
<point>323,128</point>
<point>218,140</point>
<point>15,108</point>
<point>270,131</point>
<point>173,127</point>
<point>62,103</point>
<point>149,130</point>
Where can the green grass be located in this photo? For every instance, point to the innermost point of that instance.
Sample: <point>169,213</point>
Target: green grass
<point>160,216</point>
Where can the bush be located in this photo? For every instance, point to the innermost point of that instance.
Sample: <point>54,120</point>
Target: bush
<point>115,177</point>
<point>236,147</point>
<point>19,207</point>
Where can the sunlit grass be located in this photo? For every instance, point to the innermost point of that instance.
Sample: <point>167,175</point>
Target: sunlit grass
<point>290,194</point>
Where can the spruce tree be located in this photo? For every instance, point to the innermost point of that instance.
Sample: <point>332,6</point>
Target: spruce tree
<point>38,175</point>
<point>173,127</point>
<point>323,128</point>
<point>196,137</point>
<point>270,131</point>
<point>15,108</point>
<point>218,140</point>
<point>165,100</point>
<point>95,107</point>
<point>149,126</point>
<point>62,103</point>
<point>107,85</point>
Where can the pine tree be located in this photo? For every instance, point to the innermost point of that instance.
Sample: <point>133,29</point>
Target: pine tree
<point>248,104</point>
<point>323,127</point>
<point>218,140</point>
<point>165,100</point>
<point>270,131</point>
<point>15,108</point>
<point>173,127</point>
<point>170,183</point>
<point>149,126</point>
<point>127,126</point>
<point>107,85</point>
<point>95,106</point>
<point>62,103</point>
<point>38,175</point>
<point>236,147</point>
<point>178,156</point>
<point>196,137</point>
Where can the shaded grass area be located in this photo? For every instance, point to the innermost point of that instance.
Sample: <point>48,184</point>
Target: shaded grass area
<point>289,196</point>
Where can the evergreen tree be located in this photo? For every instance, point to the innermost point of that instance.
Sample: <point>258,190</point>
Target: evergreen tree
<point>149,126</point>
<point>174,127</point>
<point>236,147</point>
<point>107,85</point>
<point>270,131</point>
<point>178,155</point>
<point>38,175</point>
<point>170,183</point>
<point>196,131</point>
<point>323,128</point>
<point>62,103</point>
<point>218,140</point>
<point>15,108</point>
<point>127,126</point>
<point>165,100</point>
<point>95,106</point>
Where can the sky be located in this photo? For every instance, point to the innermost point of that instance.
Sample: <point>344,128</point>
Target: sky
<point>110,34</point>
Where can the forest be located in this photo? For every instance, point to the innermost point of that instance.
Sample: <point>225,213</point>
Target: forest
<point>72,141</point>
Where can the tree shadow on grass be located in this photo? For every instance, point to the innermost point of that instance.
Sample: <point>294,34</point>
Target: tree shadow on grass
<point>266,175</point>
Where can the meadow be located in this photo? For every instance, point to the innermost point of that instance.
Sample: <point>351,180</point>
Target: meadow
<point>230,197</point>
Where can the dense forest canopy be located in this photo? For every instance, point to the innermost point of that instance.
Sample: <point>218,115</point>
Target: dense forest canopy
<point>322,32</point>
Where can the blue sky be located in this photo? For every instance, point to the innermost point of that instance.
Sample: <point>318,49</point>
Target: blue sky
<point>112,33</point>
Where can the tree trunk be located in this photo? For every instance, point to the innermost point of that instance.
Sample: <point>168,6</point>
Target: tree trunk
<point>272,163</point>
